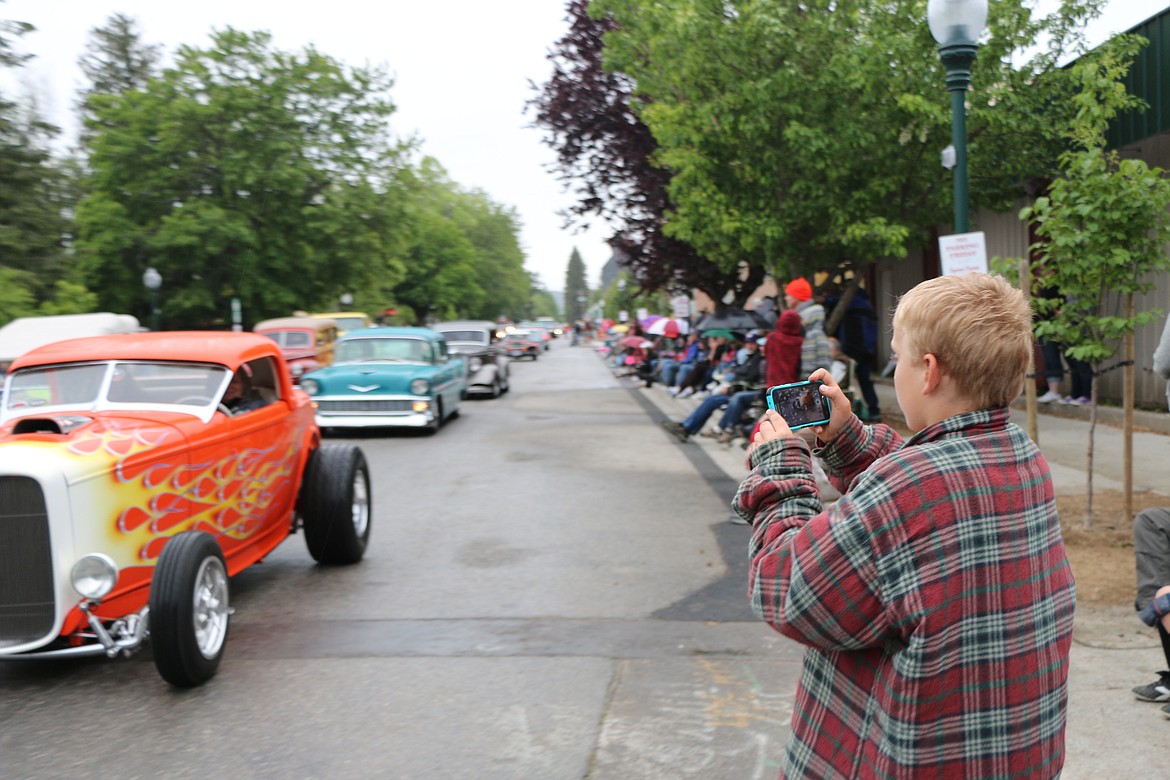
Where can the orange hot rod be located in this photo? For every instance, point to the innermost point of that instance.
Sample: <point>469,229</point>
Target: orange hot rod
<point>138,473</point>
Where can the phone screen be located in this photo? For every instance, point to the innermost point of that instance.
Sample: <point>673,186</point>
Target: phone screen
<point>800,404</point>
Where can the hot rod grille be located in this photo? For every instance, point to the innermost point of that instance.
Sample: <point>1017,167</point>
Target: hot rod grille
<point>364,405</point>
<point>26,566</point>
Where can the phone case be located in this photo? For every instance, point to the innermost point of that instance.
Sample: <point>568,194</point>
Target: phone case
<point>794,420</point>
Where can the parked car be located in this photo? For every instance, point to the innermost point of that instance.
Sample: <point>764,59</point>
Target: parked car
<point>475,341</point>
<point>389,376</point>
<point>306,342</point>
<point>130,492</point>
<point>521,344</point>
<point>346,320</point>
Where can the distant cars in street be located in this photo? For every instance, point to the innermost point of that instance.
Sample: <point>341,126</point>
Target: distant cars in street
<point>305,342</point>
<point>521,344</point>
<point>346,320</point>
<point>389,377</point>
<point>476,342</point>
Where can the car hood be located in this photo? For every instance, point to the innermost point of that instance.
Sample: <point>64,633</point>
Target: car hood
<point>369,378</point>
<point>84,446</point>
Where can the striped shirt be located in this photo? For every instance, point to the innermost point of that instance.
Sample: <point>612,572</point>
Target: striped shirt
<point>935,599</point>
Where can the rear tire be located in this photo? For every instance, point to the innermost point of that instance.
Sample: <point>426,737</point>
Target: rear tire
<point>336,504</point>
<point>189,609</point>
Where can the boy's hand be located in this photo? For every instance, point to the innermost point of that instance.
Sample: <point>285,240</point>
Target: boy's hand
<point>840,409</point>
<point>772,426</point>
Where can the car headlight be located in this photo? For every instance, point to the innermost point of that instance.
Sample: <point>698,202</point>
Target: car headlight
<point>94,575</point>
<point>296,369</point>
<point>419,387</point>
<point>474,364</point>
<point>310,386</point>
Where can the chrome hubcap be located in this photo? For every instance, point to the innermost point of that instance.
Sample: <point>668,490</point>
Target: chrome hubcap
<point>211,607</point>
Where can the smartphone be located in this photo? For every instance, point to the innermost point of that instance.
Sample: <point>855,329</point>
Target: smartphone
<point>800,404</point>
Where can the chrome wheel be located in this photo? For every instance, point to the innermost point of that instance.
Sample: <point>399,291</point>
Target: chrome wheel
<point>210,616</point>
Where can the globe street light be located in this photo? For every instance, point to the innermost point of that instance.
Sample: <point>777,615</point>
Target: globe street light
<point>957,25</point>
<point>152,280</point>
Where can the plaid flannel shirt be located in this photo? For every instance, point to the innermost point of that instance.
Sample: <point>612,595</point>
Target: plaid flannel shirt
<point>935,598</point>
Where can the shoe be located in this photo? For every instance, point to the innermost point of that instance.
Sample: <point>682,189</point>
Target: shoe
<point>672,391</point>
<point>711,433</point>
<point>678,430</point>
<point>725,437</point>
<point>686,391</point>
<point>737,520</point>
<point>1049,397</point>
<point>1155,691</point>
<point>1082,401</point>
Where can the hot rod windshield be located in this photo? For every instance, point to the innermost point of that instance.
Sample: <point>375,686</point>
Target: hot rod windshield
<point>113,383</point>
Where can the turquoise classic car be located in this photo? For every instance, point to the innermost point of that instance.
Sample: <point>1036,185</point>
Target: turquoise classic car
<point>388,377</point>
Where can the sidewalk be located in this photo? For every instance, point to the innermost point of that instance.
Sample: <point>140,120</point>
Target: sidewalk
<point>1110,733</point>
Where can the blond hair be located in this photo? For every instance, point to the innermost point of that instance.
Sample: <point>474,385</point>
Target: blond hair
<point>979,328</point>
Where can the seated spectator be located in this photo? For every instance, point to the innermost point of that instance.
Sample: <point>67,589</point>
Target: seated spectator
<point>1151,547</point>
<point>750,374</point>
<point>703,371</point>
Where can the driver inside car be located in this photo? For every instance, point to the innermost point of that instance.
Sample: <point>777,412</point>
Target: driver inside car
<point>238,396</point>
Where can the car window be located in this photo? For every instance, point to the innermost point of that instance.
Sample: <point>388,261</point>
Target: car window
<point>478,336</point>
<point>56,385</point>
<point>360,350</point>
<point>297,338</point>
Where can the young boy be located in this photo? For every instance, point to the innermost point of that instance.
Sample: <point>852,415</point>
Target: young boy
<point>935,596</point>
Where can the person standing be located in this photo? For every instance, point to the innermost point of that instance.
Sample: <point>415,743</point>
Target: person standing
<point>815,352</point>
<point>858,336</point>
<point>934,597</point>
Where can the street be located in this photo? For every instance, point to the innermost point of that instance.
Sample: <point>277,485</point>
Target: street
<point>551,591</point>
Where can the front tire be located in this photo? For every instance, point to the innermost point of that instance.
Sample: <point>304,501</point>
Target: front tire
<point>189,609</point>
<point>336,504</point>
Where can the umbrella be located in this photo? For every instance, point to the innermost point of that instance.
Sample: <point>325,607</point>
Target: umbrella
<point>635,342</point>
<point>619,329</point>
<point>722,333</point>
<point>669,327</point>
<point>649,320</point>
<point>733,319</point>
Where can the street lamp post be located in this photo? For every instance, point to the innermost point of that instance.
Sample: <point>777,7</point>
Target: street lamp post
<point>957,25</point>
<point>152,280</point>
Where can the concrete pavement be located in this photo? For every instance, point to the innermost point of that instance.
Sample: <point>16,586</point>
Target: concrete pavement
<point>1110,733</point>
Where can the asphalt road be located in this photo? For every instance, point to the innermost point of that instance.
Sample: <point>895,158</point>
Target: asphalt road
<point>551,591</point>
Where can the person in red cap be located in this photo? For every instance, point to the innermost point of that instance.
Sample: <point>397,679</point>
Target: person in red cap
<point>815,352</point>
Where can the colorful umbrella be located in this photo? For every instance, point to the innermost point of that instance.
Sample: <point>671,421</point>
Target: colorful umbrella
<point>669,327</point>
<point>649,320</point>
<point>619,329</point>
<point>635,342</point>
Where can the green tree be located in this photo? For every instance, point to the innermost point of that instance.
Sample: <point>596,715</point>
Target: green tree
<point>37,192</point>
<point>16,297</point>
<point>806,137</point>
<point>576,288</point>
<point>241,171</point>
<point>115,61</point>
<point>1103,230</point>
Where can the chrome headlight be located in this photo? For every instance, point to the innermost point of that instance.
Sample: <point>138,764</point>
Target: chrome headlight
<point>310,386</point>
<point>296,369</point>
<point>419,387</point>
<point>475,364</point>
<point>94,576</point>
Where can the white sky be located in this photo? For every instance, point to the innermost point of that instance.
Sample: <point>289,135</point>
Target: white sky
<point>461,70</point>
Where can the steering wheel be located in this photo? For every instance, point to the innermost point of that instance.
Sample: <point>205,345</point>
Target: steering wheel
<point>198,400</point>
<point>223,408</point>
